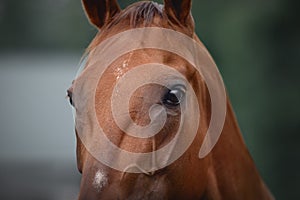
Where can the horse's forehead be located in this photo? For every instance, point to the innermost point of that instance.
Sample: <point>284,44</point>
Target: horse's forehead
<point>147,56</point>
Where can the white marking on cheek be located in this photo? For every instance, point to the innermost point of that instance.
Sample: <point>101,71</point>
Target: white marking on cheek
<point>100,180</point>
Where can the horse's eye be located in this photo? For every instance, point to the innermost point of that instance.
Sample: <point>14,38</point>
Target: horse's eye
<point>174,96</point>
<point>70,95</point>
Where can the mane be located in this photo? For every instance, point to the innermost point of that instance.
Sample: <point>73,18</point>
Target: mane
<point>140,13</point>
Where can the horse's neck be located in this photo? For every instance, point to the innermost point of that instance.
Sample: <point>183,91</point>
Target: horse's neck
<point>232,173</point>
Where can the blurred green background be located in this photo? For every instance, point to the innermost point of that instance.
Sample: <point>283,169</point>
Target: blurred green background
<point>256,45</point>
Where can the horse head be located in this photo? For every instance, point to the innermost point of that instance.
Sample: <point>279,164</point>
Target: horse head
<point>140,92</point>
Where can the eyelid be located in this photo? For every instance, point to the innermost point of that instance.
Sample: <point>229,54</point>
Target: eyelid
<point>70,92</point>
<point>179,87</point>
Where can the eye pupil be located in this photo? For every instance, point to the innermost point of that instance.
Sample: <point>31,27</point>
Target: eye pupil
<point>71,101</point>
<point>173,97</point>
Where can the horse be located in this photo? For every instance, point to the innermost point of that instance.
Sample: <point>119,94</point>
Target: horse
<point>226,172</point>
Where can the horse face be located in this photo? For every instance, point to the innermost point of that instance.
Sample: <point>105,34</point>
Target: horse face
<point>173,181</point>
<point>181,178</point>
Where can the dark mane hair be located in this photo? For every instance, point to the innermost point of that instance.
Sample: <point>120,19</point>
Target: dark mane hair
<point>140,13</point>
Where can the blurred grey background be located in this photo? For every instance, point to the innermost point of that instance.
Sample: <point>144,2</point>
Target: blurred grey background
<point>256,45</point>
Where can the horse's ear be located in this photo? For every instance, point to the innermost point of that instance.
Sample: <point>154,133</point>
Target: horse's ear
<point>179,11</point>
<point>100,12</point>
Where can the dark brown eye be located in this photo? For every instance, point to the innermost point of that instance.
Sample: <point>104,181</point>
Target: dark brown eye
<point>70,95</point>
<point>173,97</point>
